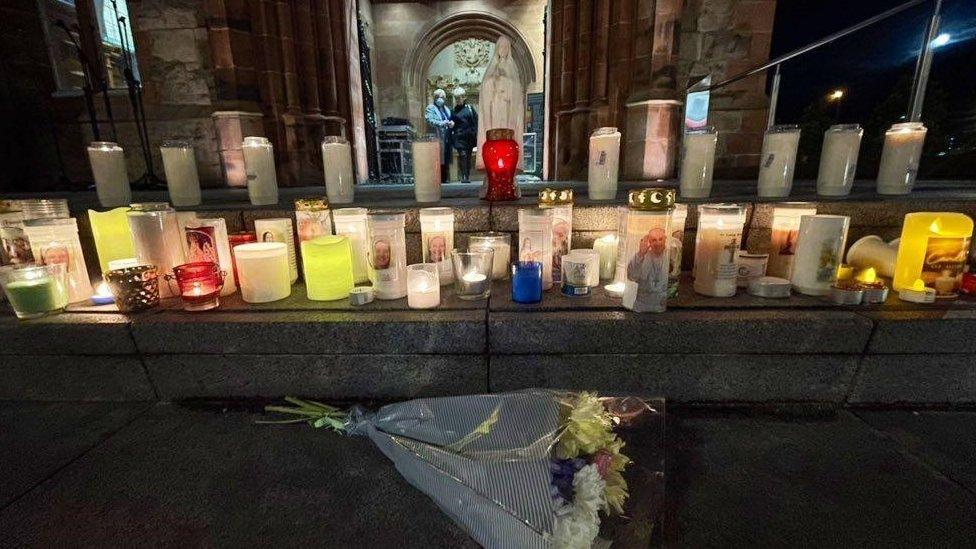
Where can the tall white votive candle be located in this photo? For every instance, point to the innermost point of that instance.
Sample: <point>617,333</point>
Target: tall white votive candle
<point>157,239</point>
<point>717,248</point>
<point>337,165</point>
<point>351,223</point>
<point>427,170</point>
<point>263,270</point>
<point>111,179</point>
<point>262,182</point>
<point>606,246</point>
<point>697,162</point>
<point>387,254</point>
<point>818,253</point>
<point>900,158</point>
<point>180,166</point>
<point>778,161</point>
<point>423,288</point>
<point>785,232</point>
<point>279,229</point>
<point>501,244</point>
<point>437,240</point>
<point>604,164</point>
<point>838,159</point>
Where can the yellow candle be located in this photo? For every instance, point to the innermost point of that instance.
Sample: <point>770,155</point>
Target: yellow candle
<point>327,266</point>
<point>845,272</point>
<point>113,240</point>
<point>933,247</point>
<point>867,276</point>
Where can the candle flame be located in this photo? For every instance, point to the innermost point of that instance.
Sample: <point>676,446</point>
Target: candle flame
<point>102,289</point>
<point>867,276</point>
<point>918,285</point>
<point>936,227</point>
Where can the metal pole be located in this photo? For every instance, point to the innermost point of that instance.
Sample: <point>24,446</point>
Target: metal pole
<point>773,99</point>
<point>924,66</point>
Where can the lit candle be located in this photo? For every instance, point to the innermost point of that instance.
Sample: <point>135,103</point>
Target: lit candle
<point>917,293</point>
<point>845,272</point>
<point>327,266</point>
<point>337,165</point>
<point>423,287</point>
<point>351,222</point>
<point>900,158</point>
<point>180,167</point>
<point>500,244</point>
<point>207,240</point>
<point>108,168</point>
<point>437,238</point>
<point>871,251</point>
<point>36,290</point>
<point>604,164</point>
<point>717,248</point>
<point>427,169</point>
<point>476,266</point>
<point>102,295</point>
<point>875,290</point>
<point>933,247</point>
<point>263,270</point>
<point>199,284</point>
<point>646,260</point>
<point>838,159</point>
<point>782,242</point>
<point>113,239</point>
<point>697,161</point>
<point>778,160</point>
<point>606,246</point>
<point>279,229</point>
<point>819,248</point>
<point>262,182</point>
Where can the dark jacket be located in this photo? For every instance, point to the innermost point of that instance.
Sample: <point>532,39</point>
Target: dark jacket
<point>465,127</point>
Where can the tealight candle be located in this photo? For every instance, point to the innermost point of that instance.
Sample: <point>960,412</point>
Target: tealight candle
<point>501,245</point>
<point>279,229</point>
<point>875,290</point>
<point>846,293</point>
<point>615,289</point>
<point>473,270</point>
<point>103,295</point>
<point>199,284</point>
<point>845,272</point>
<point>606,246</point>
<point>871,251</point>
<point>750,266</point>
<point>423,286</point>
<point>262,182</point>
<point>917,293</point>
<point>338,171</point>
<point>113,239</point>
<point>111,178</point>
<point>263,270</point>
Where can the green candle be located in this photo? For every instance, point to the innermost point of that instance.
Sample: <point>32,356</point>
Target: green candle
<point>36,296</point>
<point>327,262</point>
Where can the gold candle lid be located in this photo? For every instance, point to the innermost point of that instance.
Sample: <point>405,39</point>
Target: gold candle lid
<point>311,204</point>
<point>652,199</point>
<point>555,197</point>
<point>496,134</point>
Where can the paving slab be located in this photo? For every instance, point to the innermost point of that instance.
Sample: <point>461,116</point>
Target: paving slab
<point>929,379</point>
<point>934,330</point>
<point>73,333</point>
<point>74,377</point>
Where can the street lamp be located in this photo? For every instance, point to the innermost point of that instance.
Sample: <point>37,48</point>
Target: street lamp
<point>835,97</point>
<point>941,40</point>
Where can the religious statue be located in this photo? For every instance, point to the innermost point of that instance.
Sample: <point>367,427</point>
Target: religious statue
<point>502,100</point>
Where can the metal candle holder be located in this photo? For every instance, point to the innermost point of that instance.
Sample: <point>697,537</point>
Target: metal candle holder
<point>135,288</point>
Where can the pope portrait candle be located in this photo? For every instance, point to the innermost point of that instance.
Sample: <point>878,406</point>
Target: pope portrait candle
<point>819,249</point>
<point>437,239</point>
<point>646,249</point>
<point>387,254</point>
<point>279,229</point>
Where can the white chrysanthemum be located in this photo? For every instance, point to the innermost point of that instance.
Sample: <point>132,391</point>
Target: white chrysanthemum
<point>578,524</point>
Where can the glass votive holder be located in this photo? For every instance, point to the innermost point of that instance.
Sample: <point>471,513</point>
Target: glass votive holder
<point>501,243</point>
<point>527,282</point>
<point>199,285</point>
<point>44,208</point>
<point>36,290</point>
<point>473,272</point>
<point>423,286</point>
<point>135,288</point>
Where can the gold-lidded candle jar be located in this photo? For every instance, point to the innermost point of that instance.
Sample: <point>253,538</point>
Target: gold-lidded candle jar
<point>646,249</point>
<point>560,202</point>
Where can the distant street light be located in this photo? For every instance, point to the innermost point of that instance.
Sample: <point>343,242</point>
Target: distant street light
<point>941,40</point>
<point>835,95</point>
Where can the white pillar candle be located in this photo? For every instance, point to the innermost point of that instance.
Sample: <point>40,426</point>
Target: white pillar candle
<point>677,243</point>
<point>351,222</point>
<point>180,166</point>
<point>111,179</point>
<point>262,182</point>
<point>337,165</point>
<point>900,158</point>
<point>206,240</point>
<point>535,240</point>
<point>606,247</point>
<point>592,259</point>
<point>427,169</point>
<point>717,248</point>
<point>279,229</point>
<point>604,164</point>
<point>423,288</point>
<point>818,253</point>
<point>838,159</point>
<point>387,254</point>
<point>782,241</point>
<point>263,270</point>
<point>55,241</point>
<point>437,240</point>
<point>697,162</point>
<point>156,238</point>
<point>778,160</point>
<point>501,243</point>
<point>872,252</point>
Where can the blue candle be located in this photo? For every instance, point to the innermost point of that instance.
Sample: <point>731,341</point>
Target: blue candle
<point>527,282</point>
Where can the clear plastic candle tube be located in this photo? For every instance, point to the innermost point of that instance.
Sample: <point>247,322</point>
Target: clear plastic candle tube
<point>717,248</point>
<point>207,240</point>
<point>437,239</point>
<point>279,229</point>
<point>472,273</point>
<point>819,250</point>
<point>646,251</point>
<point>262,181</point>
<point>678,218</point>
<point>337,165</point>
<point>113,240</point>
<point>55,241</point>
<point>351,222</point>
<point>108,168</point>
<point>784,235</point>
<point>35,290</point>
<point>527,281</point>
<point>263,271</point>
<point>698,162</point>
<point>327,266</point>
<point>560,202</point>
<point>900,158</point>
<point>535,240</point>
<point>838,159</point>
<point>500,244</point>
<point>604,164</point>
<point>180,166</point>
<point>312,217</point>
<point>778,161</point>
<point>387,254</point>
<point>426,152</point>
<point>44,208</point>
<point>606,247</point>
<point>423,286</point>
<point>156,238</point>
<point>934,248</point>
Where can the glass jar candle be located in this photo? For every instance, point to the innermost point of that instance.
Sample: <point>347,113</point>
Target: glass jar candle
<point>437,240</point>
<point>55,241</point>
<point>592,260</point>
<point>676,242</point>
<point>819,249</point>
<point>351,223</point>
<point>782,240</point>
<point>576,276</point>
<point>606,247</point>
<point>113,240</point>
<point>180,166</point>
<point>206,240</point>
<point>717,248</point>
<point>604,164</point>
<point>560,203</point>
<point>327,266</point>
<point>44,208</point>
<point>134,287</point>
<point>535,240</point>
<point>35,290</point>
<point>233,240</point>
<point>111,179</point>
<point>426,152</point>
<point>279,229</point>
<point>697,162</point>
<point>900,158</point>
<point>264,272</point>
<point>872,252</point>
<point>473,268</point>
<point>312,217</point>
<point>646,249</point>
<point>933,247</point>
<point>199,285</point>
<point>500,244</point>
<point>778,160</point>
<point>262,181</point>
<point>156,238</point>
<point>501,157</point>
<point>838,159</point>
<point>387,254</point>
<point>527,282</point>
<point>340,178</point>
<point>423,286</point>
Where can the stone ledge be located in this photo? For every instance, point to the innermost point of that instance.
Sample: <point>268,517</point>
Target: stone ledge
<point>74,377</point>
<point>923,331</point>
<point>72,334</point>
<point>929,379</point>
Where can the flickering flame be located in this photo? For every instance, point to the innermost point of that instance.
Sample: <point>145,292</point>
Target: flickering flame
<point>867,276</point>
<point>936,227</point>
<point>918,285</point>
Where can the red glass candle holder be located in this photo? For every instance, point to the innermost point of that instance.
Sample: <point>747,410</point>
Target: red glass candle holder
<point>501,156</point>
<point>200,284</point>
<point>968,285</point>
<point>236,239</point>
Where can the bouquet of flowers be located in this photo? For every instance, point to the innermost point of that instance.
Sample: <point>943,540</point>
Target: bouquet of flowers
<point>533,468</point>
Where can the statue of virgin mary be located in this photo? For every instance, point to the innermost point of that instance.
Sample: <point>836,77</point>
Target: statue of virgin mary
<point>501,100</point>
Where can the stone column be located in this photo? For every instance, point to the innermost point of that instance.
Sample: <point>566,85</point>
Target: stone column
<point>232,127</point>
<point>651,145</point>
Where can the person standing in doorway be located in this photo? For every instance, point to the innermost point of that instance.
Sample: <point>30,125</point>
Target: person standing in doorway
<point>439,121</point>
<point>465,132</point>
